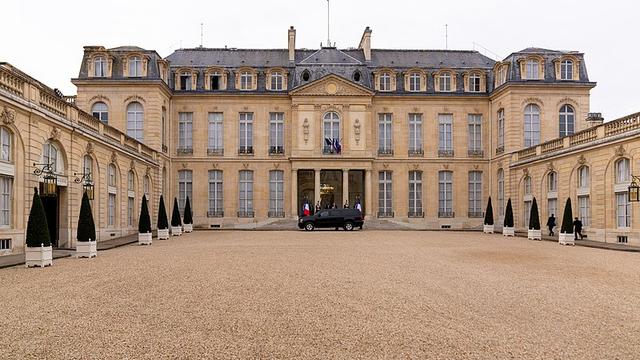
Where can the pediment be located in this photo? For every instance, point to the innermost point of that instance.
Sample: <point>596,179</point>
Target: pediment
<point>332,85</point>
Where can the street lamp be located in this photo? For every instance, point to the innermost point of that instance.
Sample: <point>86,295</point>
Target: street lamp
<point>634,189</point>
<point>50,182</point>
<point>87,183</point>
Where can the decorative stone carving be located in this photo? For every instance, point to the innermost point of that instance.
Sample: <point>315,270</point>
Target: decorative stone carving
<point>147,171</point>
<point>184,165</point>
<point>245,165</point>
<point>550,166</point>
<point>54,134</point>
<point>476,166</point>
<point>525,171</point>
<point>89,148</point>
<point>445,166</point>
<point>134,98</point>
<point>331,85</point>
<point>276,165</point>
<point>385,165</point>
<point>619,150</point>
<point>114,157</point>
<point>582,160</point>
<point>215,165</point>
<point>416,166</point>
<point>8,116</point>
<point>305,130</point>
<point>356,130</point>
<point>532,100</point>
<point>132,165</point>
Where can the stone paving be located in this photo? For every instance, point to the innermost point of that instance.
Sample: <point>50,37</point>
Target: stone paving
<point>325,294</point>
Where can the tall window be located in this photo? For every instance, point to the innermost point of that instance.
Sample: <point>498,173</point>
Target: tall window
<point>50,156</point>
<point>445,194</point>
<point>276,133</point>
<point>276,193</point>
<point>500,192</point>
<point>5,144</point>
<point>414,82</point>
<point>475,132</point>
<point>385,82</point>
<point>246,80</point>
<point>135,66</point>
<point>501,129</point>
<point>552,182</point>
<point>445,132</point>
<point>130,181</point>
<point>583,177</point>
<point>215,193</point>
<point>445,82</point>
<point>100,67</point>
<point>552,206</point>
<point>246,133</point>
<point>527,185</point>
<point>415,194</point>
<point>185,188</point>
<point>475,193</point>
<point>623,210</point>
<point>331,131</point>
<point>276,81</point>
<point>584,209</point>
<point>531,125</point>
<point>100,111</point>
<point>415,134</point>
<point>6,190</point>
<point>623,172</point>
<point>130,210</point>
<point>566,70</point>
<point>87,166</point>
<point>216,133</point>
<point>385,194</point>
<point>146,187</point>
<point>135,121</point>
<point>111,212</point>
<point>245,193</point>
<point>163,130</point>
<point>567,120</point>
<point>385,134</point>
<point>527,212</point>
<point>185,81</point>
<point>111,175</point>
<point>474,83</point>
<point>531,68</point>
<point>185,131</point>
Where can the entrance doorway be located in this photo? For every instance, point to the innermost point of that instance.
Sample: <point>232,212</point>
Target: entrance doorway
<point>331,189</point>
<point>52,209</point>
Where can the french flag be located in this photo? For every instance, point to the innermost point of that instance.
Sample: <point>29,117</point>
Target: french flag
<point>306,211</point>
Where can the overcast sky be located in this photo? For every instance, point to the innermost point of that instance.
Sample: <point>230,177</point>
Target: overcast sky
<point>45,38</point>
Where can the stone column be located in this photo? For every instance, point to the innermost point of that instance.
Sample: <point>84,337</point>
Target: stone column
<point>367,193</point>
<point>316,194</point>
<point>294,193</point>
<point>345,186</point>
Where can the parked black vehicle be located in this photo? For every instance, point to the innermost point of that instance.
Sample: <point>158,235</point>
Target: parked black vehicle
<point>332,218</point>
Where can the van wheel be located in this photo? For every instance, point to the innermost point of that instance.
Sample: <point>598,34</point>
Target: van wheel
<point>348,226</point>
<point>308,226</point>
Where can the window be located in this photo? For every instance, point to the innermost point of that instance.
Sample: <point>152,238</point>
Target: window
<point>246,80</point>
<point>622,171</point>
<point>185,81</point>
<point>475,194</point>
<point>185,188</point>
<point>385,194</point>
<point>567,120</point>
<point>445,82</point>
<point>215,194</point>
<point>276,133</point>
<point>414,82</point>
<point>277,81</point>
<point>501,129</point>
<point>474,83</point>
<point>87,166</point>
<point>164,127</point>
<point>415,194</point>
<point>146,186</point>
<point>552,181</point>
<point>130,210</point>
<point>385,134</point>
<point>583,177</point>
<point>111,212</point>
<point>552,206</point>
<point>356,76</point>
<point>500,192</point>
<point>100,111</point>
<point>99,67</point>
<point>5,244</point>
<point>5,144</point>
<point>385,82</point>
<point>6,190</point>
<point>135,121</point>
<point>306,75</point>
<point>130,181</point>
<point>445,134</point>
<point>245,208</point>
<point>531,69</point>
<point>475,133</point>
<point>527,212</point>
<point>502,75</point>
<point>584,209</point>
<point>566,70</point>
<point>527,185</point>
<point>276,193</point>
<point>111,175</point>
<point>185,131</point>
<point>531,125</point>
<point>415,134</point>
<point>216,133</point>
<point>135,66</point>
<point>623,210</point>
<point>215,81</point>
<point>246,133</point>
<point>50,156</point>
<point>445,194</point>
<point>331,131</point>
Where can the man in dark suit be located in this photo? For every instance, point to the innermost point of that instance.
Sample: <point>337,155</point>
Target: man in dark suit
<point>551,223</point>
<point>577,228</point>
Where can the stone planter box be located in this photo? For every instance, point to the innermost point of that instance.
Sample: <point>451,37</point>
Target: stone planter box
<point>176,230</point>
<point>163,234</point>
<point>144,239</point>
<point>488,229</point>
<point>86,249</point>
<point>534,234</point>
<point>188,228</point>
<point>38,256</point>
<point>566,239</point>
<point>509,231</point>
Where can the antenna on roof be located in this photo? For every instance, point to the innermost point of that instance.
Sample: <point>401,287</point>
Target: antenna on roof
<point>201,33</point>
<point>446,36</point>
<point>328,25</point>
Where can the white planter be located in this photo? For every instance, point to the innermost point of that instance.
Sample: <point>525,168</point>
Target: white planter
<point>509,231</point>
<point>488,229</point>
<point>176,230</point>
<point>188,228</point>
<point>38,256</point>
<point>163,234</point>
<point>144,239</point>
<point>86,249</point>
<point>534,234</point>
<point>566,239</point>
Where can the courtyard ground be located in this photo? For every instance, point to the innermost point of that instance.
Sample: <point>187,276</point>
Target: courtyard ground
<point>362,294</point>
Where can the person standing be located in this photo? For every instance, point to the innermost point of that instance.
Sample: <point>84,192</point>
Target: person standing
<point>577,228</point>
<point>551,223</point>
<point>318,208</point>
<point>346,204</point>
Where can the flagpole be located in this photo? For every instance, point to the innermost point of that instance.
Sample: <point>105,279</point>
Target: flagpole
<point>328,24</point>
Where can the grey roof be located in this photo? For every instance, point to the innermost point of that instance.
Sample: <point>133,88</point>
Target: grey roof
<point>330,56</point>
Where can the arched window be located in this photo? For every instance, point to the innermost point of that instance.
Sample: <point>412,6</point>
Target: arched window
<point>135,121</point>
<point>567,120</point>
<point>414,82</point>
<point>135,66</point>
<point>130,181</point>
<point>87,166</point>
<point>583,177</point>
<point>566,70</point>
<point>99,67</point>
<point>500,192</point>
<point>6,138</point>
<point>111,175</point>
<point>100,111</point>
<point>552,182</point>
<point>52,156</point>
<point>623,173</point>
<point>331,126</point>
<point>527,185</point>
<point>385,81</point>
<point>531,125</point>
<point>146,186</point>
<point>356,76</point>
<point>306,75</point>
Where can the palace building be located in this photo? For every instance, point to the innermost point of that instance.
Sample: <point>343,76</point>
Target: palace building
<point>421,138</point>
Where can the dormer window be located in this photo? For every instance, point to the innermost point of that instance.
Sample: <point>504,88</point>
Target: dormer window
<point>501,75</point>
<point>215,81</point>
<point>185,81</point>
<point>414,82</point>
<point>385,82</point>
<point>532,69</point>
<point>100,67</point>
<point>566,70</point>
<point>445,82</point>
<point>277,81</point>
<point>474,83</point>
<point>306,75</point>
<point>357,76</point>
<point>135,66</point>
<point>246,80</point>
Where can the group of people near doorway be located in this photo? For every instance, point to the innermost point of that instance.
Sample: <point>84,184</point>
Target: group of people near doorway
<point>577,227</point>
<point>306,209</point>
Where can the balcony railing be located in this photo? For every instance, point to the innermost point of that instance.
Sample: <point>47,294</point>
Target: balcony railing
<point>276,150</point>
<point>416,152</point>
<point>475,214</point>
<point>184,151</point>
<point>245,150</point>
<point>275,214</point>
<point>385,152</point>
<point>245,214</point>
<point>215,214</point>
<point>475,153</point>
<point>215,151</point>
<point>446,214</point>
<point>416,214</point>
<point>445,153</point>
<point>385,214</point>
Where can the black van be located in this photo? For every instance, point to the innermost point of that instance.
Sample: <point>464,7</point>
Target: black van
<point>332,218</point>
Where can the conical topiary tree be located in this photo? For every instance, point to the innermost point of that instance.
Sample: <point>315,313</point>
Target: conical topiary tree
<point>86,226</point>
<point>488,214</point>
<point>188,217</point>
<point>508,215</point>
<point>37,227</point>
<point>534,217</point>
<point>163,221</point>
<point>567,218</point>
<point>175,216</point>
<point>144,224</point>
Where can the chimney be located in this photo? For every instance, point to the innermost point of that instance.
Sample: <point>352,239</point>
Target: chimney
<point>594,119</point>
<point>292,44</point>
<point>365,44</point>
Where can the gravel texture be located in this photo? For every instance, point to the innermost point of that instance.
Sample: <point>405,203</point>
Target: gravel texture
<point>325,294</point>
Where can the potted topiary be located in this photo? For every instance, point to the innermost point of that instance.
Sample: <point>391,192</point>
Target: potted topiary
<point>566,236</point>
<point>534,232</point>
<point>144,224</point>
<point>86,235</point>
<point>188,217</point>
<point>488,218</point>
<point>176,225</point>
<point>38,250</point>
<point>507,228</point>
<point>163,222</point>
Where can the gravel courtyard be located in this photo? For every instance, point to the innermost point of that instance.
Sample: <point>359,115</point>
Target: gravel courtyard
<point>325,294</point>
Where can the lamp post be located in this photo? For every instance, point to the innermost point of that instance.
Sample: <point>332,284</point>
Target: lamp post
<point>634,189</point>
<point>50,181</point>
<point>87,183</point>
